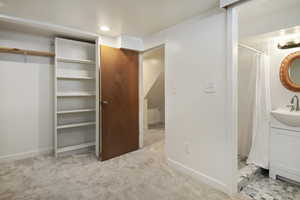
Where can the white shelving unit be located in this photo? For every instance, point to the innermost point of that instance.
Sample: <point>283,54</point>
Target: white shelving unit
<point>76,125</point>
<point>82,61</point>
<point>76,96</point>
<point>75,147</point>
<point>75,77</point>
<point>76,111</point>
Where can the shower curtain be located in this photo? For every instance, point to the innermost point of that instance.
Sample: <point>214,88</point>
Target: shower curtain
<point>246,94</point>
<point>259,153</point>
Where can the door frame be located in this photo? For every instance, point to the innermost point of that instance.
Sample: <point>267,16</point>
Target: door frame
<point>232,93</point>
<point>232,89</point>
<point>98,98</point>
<point>232,74</point>
<point>141,90</point>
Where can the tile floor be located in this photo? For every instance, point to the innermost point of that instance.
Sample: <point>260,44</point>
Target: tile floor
<point>246,173</point>
<point>256,184</point>
<point>264,188</point>
<point>242,162</point>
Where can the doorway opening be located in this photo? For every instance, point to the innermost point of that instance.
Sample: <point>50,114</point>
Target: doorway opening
<point>264,149</point>
<point>153,79</point>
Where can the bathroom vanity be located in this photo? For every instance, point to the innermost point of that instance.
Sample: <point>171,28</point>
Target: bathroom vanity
<point>285,124</point>
<point>285,144</point>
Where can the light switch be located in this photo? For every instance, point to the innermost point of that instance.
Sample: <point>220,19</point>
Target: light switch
<point>210,87</point>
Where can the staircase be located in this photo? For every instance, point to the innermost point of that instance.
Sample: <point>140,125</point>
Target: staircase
<point>155,100</point>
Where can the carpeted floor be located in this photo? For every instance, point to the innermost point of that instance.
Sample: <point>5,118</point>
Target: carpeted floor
<point>154,135</point>
<point>140,175</point>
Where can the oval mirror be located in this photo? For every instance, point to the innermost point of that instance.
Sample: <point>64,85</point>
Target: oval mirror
<point>294,71</point>
<point>290,72</point>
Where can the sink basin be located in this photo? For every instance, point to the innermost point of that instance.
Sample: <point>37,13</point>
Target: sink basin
<point>287,117</point>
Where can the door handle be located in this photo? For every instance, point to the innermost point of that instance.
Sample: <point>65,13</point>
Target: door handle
<point>103,102</point>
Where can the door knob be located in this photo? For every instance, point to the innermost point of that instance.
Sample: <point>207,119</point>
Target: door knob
<point>104,102</point>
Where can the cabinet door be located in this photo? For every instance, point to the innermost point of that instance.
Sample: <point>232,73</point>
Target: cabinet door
<point>285,146</point>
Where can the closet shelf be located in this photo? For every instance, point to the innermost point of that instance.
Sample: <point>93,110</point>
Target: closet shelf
<point>75,147</point>
<point>76,77</point>
<point>68,60</point>
<point>76,94</point>
<point>76,125</point>
<point>76,111</point>
<point>26,52</point>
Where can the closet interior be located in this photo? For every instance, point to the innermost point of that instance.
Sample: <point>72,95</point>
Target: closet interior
<point>64,89</point>
<point>75,92</point>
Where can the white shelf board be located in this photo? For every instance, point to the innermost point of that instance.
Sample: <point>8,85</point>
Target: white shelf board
<point>76,111</point>
<point>75,147</point>
<point>68,60</point>
<point>76,77</point>
<point>75,125</point>
<point>75,94</point>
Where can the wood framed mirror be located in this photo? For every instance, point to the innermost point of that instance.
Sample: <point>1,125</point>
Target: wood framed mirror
<point>290,72</point>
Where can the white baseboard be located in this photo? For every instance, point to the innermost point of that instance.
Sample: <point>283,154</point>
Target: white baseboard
<point>28,154</point>
<point>199,176</point>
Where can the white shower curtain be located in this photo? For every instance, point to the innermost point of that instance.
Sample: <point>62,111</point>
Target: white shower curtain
<point>259,153</point>
<point>246,94</point>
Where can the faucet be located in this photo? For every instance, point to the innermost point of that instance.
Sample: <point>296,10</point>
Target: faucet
<point>293,106</point>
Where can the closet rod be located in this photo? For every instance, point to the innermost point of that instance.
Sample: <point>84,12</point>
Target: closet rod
<point>26,52</point>
<point>251,48</point>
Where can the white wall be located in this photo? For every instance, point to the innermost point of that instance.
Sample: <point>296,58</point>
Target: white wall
<point>271,19</point>
<point>197,140</point>
<point>123,41</point>
<point>110,41</point>
<point>26,104</point>
<point>225,3</point>
<point>280,96</point>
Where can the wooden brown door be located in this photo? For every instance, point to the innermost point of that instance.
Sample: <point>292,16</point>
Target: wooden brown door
<point>119,102</point>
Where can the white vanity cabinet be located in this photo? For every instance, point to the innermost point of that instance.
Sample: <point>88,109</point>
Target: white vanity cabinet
<point>284,151</point>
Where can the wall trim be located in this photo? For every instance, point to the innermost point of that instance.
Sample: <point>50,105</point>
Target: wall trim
<point>28,154</point>
<point>141,100</point>
<point>199,176</point>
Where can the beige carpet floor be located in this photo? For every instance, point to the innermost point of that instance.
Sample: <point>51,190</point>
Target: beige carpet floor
<point>140,175</point>
<point>154,135</point>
